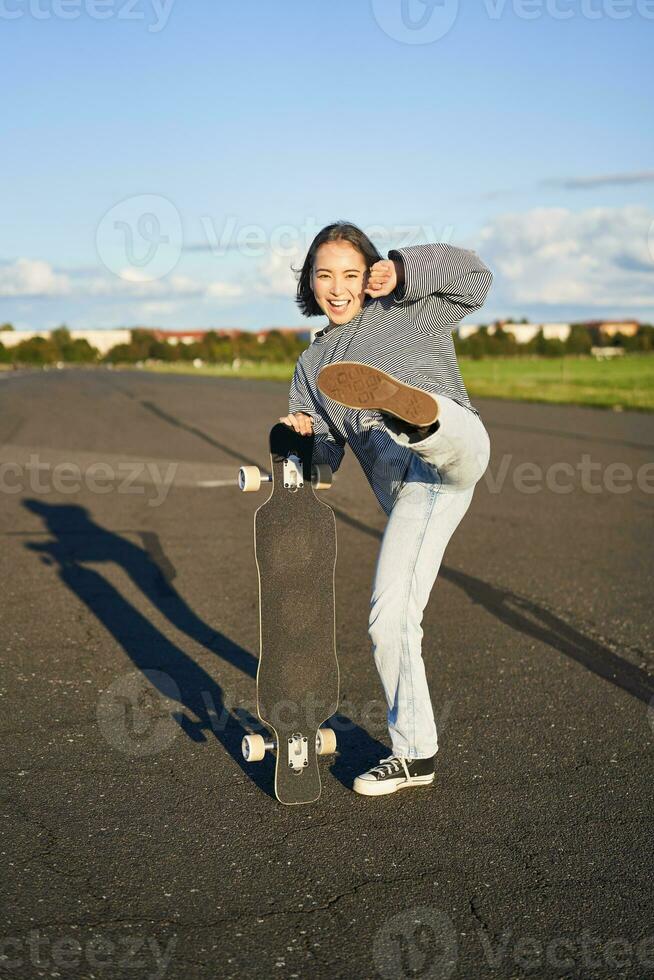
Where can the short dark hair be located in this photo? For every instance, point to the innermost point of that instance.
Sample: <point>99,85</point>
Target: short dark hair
<point>340,231</point>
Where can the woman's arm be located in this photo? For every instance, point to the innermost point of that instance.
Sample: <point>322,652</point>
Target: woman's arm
<point>328,446</point>
<point>455,279</point>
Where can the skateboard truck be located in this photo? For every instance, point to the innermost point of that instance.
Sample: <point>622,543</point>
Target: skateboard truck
<point>293,476</point>
<point>298,752</point>
<point>250,478</point>
<point>254,747</point>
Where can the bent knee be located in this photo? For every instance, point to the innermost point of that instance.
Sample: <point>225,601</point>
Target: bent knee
<point>386,624</point>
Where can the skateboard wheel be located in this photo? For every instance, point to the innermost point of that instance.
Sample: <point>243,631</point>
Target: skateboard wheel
<point>249,478</point>
<point>326,741</point>
<point>321,476</point>
<point>253,748</point>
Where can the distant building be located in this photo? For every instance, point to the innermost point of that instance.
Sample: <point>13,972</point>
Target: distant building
<point>195,336</point>
<point>467,330</point>
<point>523,332</point>
<point>12,338</point>
<point>555,331</point>
<point>609,328</point>
<point>102,340</point>
<point>175,337</point>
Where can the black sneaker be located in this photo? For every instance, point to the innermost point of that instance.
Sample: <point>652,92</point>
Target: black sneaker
<point>415,433</point>
<point>394,773</point>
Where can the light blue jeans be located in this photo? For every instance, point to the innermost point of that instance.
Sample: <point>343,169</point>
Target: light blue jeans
<point>436,493</point>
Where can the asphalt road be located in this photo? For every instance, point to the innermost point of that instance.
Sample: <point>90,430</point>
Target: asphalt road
<point>139,844</point>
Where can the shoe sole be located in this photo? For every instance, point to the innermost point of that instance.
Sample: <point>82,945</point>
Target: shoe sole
<point>369,788</point>
<point>361,386</point>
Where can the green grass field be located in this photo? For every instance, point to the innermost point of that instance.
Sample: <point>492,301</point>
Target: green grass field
<point>260,372</point>
<point>626,382</point>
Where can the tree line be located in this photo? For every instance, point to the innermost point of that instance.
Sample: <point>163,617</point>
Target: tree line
<point>502,343</point>
<point>59,347</point>
<point>278,347</point>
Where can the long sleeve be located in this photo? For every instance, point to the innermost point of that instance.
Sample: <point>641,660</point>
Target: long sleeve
<point>328,447</point>
<point>451,282</point>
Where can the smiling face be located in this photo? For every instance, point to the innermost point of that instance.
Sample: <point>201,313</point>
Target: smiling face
<point>338,279</point>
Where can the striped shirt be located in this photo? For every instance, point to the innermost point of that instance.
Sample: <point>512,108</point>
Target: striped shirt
<point>410,337</point>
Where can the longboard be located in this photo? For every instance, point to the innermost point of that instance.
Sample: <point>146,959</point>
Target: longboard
<point>297,675</point>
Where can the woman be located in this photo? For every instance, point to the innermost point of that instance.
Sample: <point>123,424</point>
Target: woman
<point>382,376</point>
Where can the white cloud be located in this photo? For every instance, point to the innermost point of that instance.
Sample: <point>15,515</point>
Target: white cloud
<point>601,180</point>
<point>275,276</point>
<point>599,260</point>
<point>132,286</point>
<point>156,308</point>
<point>601,257</point>
<point>224,290</point>
<point>37,278</point>
<point>132,274</point>
<point>32,277</point>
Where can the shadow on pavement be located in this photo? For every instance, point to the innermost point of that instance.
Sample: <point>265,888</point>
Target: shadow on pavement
<point>537,621</point>
<point>78,539</point>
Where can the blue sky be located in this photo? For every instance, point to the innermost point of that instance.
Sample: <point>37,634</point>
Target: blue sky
<point>166,164</point>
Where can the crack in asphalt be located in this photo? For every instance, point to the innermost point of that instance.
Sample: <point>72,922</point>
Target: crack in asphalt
<point>474,911</point>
